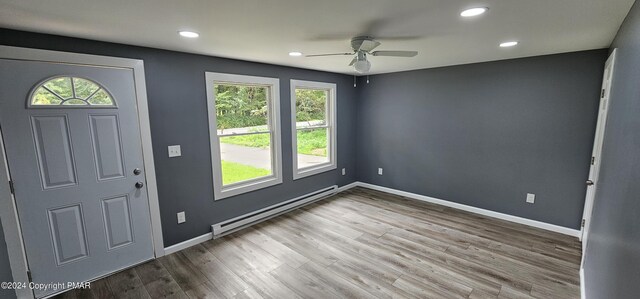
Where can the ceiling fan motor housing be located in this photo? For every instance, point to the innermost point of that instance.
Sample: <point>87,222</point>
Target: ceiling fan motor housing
<point>357,41</point>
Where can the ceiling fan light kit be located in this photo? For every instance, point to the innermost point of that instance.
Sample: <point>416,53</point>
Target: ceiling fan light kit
<point>363,46</point>
<point>362,66</point>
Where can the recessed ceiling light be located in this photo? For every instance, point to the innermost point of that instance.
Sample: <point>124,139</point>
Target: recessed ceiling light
<point>472,12</point>
<point>189,34</point>
<point>508,44</point>
<point>295,54</point>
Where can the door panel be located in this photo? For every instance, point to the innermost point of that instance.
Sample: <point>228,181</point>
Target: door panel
<point>68,233</point>
<point>117,221</point>
<point>56,164</point>
<point>107,152</point>
<point>72,166</point>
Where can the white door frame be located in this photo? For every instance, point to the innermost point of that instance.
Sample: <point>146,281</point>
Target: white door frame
<point>8,211</point>
<point>594,173</point>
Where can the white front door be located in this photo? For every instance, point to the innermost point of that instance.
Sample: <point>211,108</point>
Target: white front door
<point>73,146</point>
<point>594,171</point>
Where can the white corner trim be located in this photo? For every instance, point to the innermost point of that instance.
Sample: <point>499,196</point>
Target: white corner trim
<point>348,186</point>
<point>209,236</point>
<point>583,288</point>
<point>489,213</point>
<point>188,243</point>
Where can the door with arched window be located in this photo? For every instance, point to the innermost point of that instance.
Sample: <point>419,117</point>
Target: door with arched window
<point>72,139</point>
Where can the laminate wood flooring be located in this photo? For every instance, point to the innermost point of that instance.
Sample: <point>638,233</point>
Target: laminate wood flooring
<point>362,244</point>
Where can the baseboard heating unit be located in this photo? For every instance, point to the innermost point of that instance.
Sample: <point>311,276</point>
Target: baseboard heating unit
<point>240,222</point>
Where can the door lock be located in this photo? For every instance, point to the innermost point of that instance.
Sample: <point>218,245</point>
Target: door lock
<point>137,171</point>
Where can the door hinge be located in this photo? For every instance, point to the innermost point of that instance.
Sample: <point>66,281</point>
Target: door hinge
<point>584,221</point>
<point>602,93</point>
<point>29,276</point>
<point>593,160</point>
<point>12,188</point>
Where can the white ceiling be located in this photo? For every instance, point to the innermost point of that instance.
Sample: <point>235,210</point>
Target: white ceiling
<point>265,31</point>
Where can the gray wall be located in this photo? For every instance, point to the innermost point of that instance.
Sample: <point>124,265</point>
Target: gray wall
<point>612,268</point>
<point>486,134</point>
<point>5,269</point>
<point>178,113</point>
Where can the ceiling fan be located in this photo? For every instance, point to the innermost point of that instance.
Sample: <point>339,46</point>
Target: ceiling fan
<point>363,46</point>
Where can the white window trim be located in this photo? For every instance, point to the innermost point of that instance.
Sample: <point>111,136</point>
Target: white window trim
<point>332,123</point>
<point>219,190</point>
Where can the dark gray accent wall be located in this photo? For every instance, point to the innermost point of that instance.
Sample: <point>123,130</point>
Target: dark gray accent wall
<point>612,262</point>
<point>5,268</point>
<point>486,134</point>
<point>178,113</point>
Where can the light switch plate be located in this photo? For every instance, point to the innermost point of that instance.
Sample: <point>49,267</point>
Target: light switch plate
<point>174,151</point>
<point>531,198</point>
<point>379,171</point>
<point>182,218</point>
<point>344,171</point>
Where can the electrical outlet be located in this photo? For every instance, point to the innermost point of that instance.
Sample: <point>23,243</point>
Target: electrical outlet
<point>344,171</point>
<point>531,198</point>
<point>379,171</point>
<point>174,151</point>
<point>182,218</point>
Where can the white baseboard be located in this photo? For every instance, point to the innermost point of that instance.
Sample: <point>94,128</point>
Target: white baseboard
<point>208,236</point>
<point>489,213</point>
<point>188,243</point>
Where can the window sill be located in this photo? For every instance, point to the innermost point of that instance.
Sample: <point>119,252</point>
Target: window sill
<point>309,171</point>
<point>245,187</point>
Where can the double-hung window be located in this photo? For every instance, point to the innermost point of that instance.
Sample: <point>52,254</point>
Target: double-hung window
<point>313,124</point>
<point>244,127</point>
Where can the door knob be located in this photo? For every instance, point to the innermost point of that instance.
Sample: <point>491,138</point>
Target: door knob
<point>589,183</point>
<point>139,185</point>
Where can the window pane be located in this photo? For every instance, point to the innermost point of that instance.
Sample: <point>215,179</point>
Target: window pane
<point>60,91</point>
<point>101,98</point>
<point>84,88</point>
<point>74,102</point>
<point>61,86</point>
<point>311,107</point>
<point>245,157</point>
<point>312,147</point>
<point>241,108</point>
<point>44,97</point>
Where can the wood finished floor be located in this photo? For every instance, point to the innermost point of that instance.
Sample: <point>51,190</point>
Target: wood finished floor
<point>362,244</point>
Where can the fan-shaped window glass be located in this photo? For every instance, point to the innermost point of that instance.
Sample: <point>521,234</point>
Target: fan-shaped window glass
<point>70,91</point>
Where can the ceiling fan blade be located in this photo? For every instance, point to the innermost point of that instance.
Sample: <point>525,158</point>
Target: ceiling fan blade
<point>333,54</point>
<point>395,53</point>
<point>353,61</point>
<point>368,45</point>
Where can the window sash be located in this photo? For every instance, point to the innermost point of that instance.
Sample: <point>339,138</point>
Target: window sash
<point>244,134</point>
<point>253,180</point>
<point>269,103</point>
<point>329,126</point>
<point>312,128</point>
<point>221,190</point>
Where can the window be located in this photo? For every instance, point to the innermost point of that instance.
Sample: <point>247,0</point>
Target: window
<point>245,133</point>
<point>313,123</point>
<point>70,91</point>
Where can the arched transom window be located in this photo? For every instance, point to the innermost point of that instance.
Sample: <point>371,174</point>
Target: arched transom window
<point>70,91</point>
